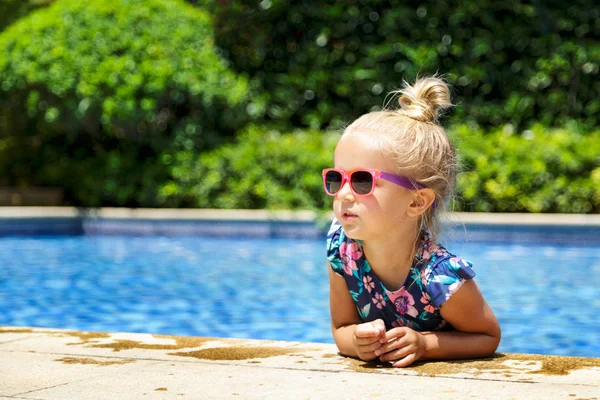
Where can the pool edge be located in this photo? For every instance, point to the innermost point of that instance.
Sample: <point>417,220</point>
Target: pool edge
<point>280,215</point>
<point>577,229</point>
<point>53,364</point>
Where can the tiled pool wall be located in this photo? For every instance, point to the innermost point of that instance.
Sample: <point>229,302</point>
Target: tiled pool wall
<point>91,226</point>
<point>551,228</point>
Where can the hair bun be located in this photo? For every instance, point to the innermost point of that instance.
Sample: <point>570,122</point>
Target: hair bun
<point>425,100</point>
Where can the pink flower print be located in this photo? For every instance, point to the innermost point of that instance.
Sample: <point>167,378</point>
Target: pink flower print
<point>427,301</point>
<point>352,250</point>
<point>431,248</point>
<point>368,283</point>
<point>425,255</point>
<point>349,253</point>
<point>400,322</point>
<point>404,302</point>
<point>379,300</point>
<point>425,274</point>
<point>434,249</point>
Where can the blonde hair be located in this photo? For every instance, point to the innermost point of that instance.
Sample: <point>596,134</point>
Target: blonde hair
<point>416,143</point>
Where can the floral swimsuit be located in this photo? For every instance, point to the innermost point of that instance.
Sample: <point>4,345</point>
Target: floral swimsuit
<point>434,276</point>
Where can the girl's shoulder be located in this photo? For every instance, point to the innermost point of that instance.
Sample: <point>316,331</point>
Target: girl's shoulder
<point>442,273</point>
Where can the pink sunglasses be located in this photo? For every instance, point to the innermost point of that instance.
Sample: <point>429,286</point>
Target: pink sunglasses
<point>363,181</point>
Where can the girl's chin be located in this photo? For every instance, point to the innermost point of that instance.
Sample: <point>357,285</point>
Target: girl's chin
<point>351,231</point>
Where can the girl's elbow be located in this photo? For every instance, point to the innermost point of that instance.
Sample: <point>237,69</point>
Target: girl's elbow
<point>493,346</point>
<point>494,341</point>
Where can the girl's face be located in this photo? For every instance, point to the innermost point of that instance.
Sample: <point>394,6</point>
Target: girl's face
<point>374,216</point>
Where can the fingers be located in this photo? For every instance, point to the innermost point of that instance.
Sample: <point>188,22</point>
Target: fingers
<point>368,348</point>
<point>366,338</point>
<point>406,361</point>
<point>370,329</point>
<point>395,333</point>
<point>365,331</point>
<point>366,341</point>
<point>403,348</point>
<point>379,325</point>
<point>391,346</point>
<point>365,347</point>
<point>396,351</point>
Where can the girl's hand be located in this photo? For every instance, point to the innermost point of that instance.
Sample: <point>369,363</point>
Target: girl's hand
<point>367,337</point>
<point>402,344</point>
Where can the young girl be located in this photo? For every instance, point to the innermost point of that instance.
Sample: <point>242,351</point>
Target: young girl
<point>395,293</point>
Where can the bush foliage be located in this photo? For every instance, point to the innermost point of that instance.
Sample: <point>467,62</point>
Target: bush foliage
<point>125,102</point>
<point>263,169</point>
<point>95,95</point>
<point>542,170</point>
<point>321,64</point>
<point>12,10</point>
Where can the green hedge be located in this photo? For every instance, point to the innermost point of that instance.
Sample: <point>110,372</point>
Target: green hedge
<point>263,169</point>
<point>12,10</point>
<point>115,100</point>
<point>319,64</point>
<point>96,96</point>
<point>540,170</point>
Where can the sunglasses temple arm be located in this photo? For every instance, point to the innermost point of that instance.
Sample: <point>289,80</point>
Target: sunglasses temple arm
<point>405,182</point>
<point>402,181</point>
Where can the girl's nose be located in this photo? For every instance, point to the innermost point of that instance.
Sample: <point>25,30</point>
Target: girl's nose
<point>345,193</point>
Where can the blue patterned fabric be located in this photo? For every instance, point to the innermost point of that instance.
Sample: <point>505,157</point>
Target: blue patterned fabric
<point>434,276</point>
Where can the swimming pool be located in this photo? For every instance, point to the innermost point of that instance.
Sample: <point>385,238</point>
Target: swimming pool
<point>545,295</point>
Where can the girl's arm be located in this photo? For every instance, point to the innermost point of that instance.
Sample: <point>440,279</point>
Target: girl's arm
<point>352,337</point>
<point>477,332</point>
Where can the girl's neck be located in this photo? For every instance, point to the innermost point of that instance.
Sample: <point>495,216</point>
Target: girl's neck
<point>391,257</point>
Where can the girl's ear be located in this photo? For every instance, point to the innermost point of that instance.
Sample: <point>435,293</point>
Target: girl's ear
<point>422,200</point>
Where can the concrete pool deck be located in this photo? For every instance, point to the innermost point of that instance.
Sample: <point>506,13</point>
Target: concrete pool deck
<point>47,364</point>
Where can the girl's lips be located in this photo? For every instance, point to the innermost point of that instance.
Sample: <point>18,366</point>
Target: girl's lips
<point>348,216</point>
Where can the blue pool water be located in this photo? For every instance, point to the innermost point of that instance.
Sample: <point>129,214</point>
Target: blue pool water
<point>545,296</point>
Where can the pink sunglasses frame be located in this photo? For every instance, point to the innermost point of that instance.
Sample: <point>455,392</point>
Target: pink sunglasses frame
<point>376,174</point>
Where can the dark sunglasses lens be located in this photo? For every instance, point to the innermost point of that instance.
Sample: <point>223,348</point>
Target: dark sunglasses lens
<point>362,182</point>
<point>333,181</point>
